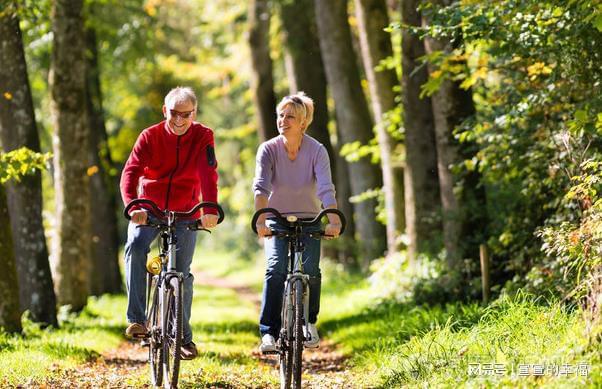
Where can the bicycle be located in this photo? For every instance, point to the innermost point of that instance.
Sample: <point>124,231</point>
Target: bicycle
<point>163,311</point>
<point>295,304</point>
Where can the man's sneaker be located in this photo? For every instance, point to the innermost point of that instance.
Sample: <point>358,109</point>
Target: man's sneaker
<point>136,330</point>
<point>268,344</point>
<point>312,339</point>
<point>188,351</point>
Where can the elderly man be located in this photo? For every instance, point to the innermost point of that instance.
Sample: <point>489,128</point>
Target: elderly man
<point>173,164</point>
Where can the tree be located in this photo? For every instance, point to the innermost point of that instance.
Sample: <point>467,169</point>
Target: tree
<point>262,81</point>
<point>104,276</point>
<point>68,89</point>
<point>18,129</point>
<point>420,175</point>
<point>307,74</point>
<point>10,317</point>
<point>375,45</point>
<point>353,119</point>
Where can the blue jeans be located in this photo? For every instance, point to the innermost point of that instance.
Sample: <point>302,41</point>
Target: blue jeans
<point>276,251</point>
<point>137,248</point>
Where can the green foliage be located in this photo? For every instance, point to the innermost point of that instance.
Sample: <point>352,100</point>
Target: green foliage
<point>20,162</point>
<point>533,68</point>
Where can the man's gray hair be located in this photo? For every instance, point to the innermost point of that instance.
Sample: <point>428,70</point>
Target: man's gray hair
<point>180,94</point>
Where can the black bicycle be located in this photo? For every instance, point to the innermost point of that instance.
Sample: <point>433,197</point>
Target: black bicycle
<point>295,303</point>
<point>164,291</point>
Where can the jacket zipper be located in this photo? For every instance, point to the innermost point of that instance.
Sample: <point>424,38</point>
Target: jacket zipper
<point>173,172</point>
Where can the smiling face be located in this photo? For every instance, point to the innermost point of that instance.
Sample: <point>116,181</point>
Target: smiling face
<point>179,116</point>
<point>290,122</point>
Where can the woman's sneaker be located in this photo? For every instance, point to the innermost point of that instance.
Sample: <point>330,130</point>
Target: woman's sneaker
<point>136,331</point>
<point>312,339</point>
<point>268,344</point>
<point>188,351</point>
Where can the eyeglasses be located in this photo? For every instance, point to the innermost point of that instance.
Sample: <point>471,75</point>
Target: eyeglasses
<point>183,115</point>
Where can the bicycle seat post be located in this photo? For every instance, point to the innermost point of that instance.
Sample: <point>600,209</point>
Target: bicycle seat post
<point>173,240</point>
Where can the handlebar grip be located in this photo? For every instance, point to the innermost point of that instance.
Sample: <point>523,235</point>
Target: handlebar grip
<point>273,211</point>
<point>154,208</point>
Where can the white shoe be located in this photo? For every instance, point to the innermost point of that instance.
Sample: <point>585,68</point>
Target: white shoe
<point>313,339</point>
<point>268,344</point>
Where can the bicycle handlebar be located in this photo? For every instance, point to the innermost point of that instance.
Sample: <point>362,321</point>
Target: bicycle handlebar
<point>155,210</point>
<point>284,220</point>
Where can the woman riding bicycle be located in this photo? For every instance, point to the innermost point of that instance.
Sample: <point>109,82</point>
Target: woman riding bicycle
<point>173,164</point>
<point>292,175</point>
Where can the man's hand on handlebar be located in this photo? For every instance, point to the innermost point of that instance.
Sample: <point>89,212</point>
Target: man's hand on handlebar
<point>139,216</point>
<point>209,220</point>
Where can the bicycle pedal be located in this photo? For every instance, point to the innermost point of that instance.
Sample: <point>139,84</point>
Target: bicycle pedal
<point>270,352</point>
<point>145,342</point>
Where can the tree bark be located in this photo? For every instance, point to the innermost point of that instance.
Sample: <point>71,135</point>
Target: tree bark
<point>18,129</point>
<point>306,73</point>
<point>10,316</point>
<point>420,174</point>
<point>262,81</point>
<point>104,276</point>
<point>451,106</point>
<point>353,119</point>
<point>68,89</point>
<point>376,46</point>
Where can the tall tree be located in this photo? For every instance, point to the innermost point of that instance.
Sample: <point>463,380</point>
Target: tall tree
<point>376,46</point>
<point>306,73</point>
<point>451,106</point>
<point>68,86</point>
<point>420,175</point>
<point>10,317</point>
<point>18,129</point>
<point>353,118</point>
<point>104,276</point>
<point>262,80</point>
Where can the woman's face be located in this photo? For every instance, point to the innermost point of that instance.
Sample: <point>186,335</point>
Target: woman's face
<point>289,122</point>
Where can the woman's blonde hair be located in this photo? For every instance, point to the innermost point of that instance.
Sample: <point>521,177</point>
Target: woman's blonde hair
<point>302,104</point>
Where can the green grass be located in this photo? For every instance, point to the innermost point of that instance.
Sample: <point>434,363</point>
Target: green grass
<point>387,344</point>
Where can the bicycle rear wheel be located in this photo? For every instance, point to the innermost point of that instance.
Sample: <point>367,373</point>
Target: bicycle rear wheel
<point>155,348</point>
<point>286,344</point>
<point>172,334</point>
<point>297,334</point>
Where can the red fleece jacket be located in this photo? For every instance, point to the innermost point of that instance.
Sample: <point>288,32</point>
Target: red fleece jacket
<point>172,170</point>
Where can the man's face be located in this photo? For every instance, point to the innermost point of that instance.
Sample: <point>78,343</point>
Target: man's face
<point>180,116</point>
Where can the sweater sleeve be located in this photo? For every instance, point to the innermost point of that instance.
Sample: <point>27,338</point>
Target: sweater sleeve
<point>324,186</point>
<point>264,170</point>
<point>209,176</point>
<point>134,169</point>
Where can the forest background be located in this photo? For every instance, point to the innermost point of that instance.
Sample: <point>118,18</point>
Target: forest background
<point>455,129</point>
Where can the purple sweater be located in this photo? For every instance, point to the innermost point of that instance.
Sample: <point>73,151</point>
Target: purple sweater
<point>296,187</point>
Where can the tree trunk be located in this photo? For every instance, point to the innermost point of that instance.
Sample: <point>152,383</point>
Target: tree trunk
<point>353,119</point>
<point>104,276</point>
<point>451,106</point>
<point>376,45</point>
<point>306,73</point>
<point>18,129</point>
<point>68,88</point>
<point>262,81</point>
<point>420,178</point>
<point>10,316</point>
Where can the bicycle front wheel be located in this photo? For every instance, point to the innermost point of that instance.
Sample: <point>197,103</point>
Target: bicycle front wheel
<point>297,334</point>
<point>172,332</point>
<point>155,346</point>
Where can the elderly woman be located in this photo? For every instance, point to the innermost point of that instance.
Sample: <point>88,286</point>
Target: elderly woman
<point>292,175</point>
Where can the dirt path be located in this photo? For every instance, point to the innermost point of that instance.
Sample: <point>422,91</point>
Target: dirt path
<point>126,366</point>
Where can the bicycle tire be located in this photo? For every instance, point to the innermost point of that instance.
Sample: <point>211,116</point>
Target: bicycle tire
<point>172,334</point>
<point>298,337</point>
<point>286,344</point>
<point>155,348</point>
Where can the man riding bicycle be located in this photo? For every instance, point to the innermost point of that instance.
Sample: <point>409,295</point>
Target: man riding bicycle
<point>293,176</point>
<point>173,164</point>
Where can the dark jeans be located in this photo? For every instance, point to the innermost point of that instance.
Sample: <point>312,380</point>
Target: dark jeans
<point>136,249</point>
<point>276,251</point>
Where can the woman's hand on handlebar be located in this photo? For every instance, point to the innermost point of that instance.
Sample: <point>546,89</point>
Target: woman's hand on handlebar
<point>332,231</point>
<point>139,216</point>
<point>262,230</point>
<point>209,220</point>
